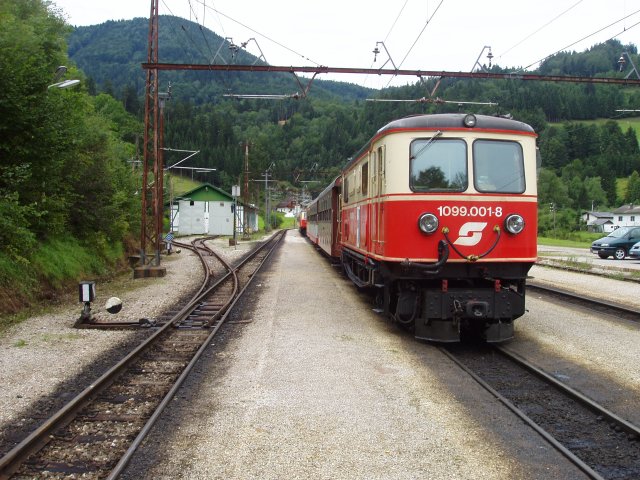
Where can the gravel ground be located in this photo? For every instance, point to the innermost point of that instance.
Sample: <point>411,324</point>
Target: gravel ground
<point>565,342</point>
<point>328,395</point>
<point>45,356</point>
<point>606,287</point>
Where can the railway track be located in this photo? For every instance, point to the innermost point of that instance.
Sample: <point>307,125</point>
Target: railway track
<point>597,441</point>
<point>95,434</point>
<point>593,304</point>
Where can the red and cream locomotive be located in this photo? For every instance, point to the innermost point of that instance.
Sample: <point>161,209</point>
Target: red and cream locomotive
<point>439,212</point>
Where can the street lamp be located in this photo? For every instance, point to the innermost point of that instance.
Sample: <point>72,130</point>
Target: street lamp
<point>60,71</point>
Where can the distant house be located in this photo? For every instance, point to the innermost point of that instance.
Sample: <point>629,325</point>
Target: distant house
<point>208,210</point>
<point>289,207</point>
<point>601,222</point>
<point>627,216</point>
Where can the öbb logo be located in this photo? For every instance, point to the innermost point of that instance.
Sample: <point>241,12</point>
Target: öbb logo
<point>470,234</point>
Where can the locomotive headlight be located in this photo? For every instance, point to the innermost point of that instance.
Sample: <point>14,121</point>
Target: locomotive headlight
<point>428,222</point>
<point>469,120</point>
<point>514,223</point>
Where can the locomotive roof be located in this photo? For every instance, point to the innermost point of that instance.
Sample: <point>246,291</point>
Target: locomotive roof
<point>454,120</point>
<point>444,121</point>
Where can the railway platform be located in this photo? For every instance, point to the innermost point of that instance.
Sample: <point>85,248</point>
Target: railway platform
<point>310,382</point>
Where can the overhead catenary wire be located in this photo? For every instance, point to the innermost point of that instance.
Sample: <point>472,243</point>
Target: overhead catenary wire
<point>195,44</point>
<point>256,32</point>
<point>396,20</point>
<point>388,33</point>
<point>190,38</point>
<point>201,26</point>
<point>170,19</point>
<point>421,32</point>
<point>418,37</point>
<point>590,35</point>
<point>541,28</point>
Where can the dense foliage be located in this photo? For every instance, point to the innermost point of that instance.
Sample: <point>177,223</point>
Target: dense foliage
<point>64,175</point>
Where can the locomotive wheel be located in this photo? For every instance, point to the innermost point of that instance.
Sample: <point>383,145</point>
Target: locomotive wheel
<point>620,253</point>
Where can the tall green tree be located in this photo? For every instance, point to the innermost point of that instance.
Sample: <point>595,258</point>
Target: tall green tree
<point>633,188</point>
<point>63,168</point>
<point>31,116</point>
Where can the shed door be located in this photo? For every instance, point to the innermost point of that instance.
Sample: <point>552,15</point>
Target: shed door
<point>220,218</point>
<point>191,217</point>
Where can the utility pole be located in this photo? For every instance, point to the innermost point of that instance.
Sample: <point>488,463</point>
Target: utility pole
<point>267,199</point>
<point>245,194</point>
<point>151,198</point>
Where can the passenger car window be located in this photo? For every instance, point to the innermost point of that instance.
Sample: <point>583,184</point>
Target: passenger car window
<point>438,165</point>
<point>498,166</point>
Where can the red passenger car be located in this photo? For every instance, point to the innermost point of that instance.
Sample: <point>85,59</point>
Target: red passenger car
<point>439,212</point>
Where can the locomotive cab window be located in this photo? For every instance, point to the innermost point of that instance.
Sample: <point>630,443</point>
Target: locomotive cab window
<point>498,166</point>
<point>438,165</point>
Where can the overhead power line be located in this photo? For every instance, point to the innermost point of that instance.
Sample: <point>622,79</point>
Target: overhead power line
<point>542,27</point>
<point>255,31</point>
<point>418,37</point>
<point>590,35</point>
<point>396,20</point>
<point>422,31</point>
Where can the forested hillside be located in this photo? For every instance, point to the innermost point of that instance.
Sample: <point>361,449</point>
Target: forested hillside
<point>308,139</point>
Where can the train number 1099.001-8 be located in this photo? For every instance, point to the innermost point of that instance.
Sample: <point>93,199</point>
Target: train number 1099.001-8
<point>462,211</point>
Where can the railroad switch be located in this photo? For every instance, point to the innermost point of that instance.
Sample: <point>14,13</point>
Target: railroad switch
<point>87,294</point>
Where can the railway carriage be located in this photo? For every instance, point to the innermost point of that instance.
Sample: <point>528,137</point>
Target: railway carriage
<point>302,222</point>
<point>438,212</point>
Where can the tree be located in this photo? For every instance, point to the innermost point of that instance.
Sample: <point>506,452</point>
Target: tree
<point>595,193</point>
<point>64,170</point>
<point>552,190</point>
<point>633,188</point>
<point>32,46</point>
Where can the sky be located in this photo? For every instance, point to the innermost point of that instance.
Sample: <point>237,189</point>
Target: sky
<point>450,35</point>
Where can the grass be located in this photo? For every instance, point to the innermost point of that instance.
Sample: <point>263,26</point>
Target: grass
<point>574,263</point>
<point>51,275</point>
<point>62,259</point>
<point>180,184</point>
<point>559,242</point>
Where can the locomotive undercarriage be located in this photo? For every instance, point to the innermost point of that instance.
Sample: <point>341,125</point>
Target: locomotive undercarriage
<point>459,299</point>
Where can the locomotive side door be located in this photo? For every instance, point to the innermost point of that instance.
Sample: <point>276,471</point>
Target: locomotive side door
<point>377,205</point>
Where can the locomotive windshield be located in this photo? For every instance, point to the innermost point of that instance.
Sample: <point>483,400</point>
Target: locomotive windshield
<point>438,165</point>
<point>498,166</point>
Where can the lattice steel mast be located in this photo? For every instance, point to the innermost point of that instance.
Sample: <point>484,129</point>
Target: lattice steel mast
<point>152,172</point>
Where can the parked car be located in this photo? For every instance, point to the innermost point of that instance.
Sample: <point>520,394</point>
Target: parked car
<point>635,251</point>
<point>617,244</point>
